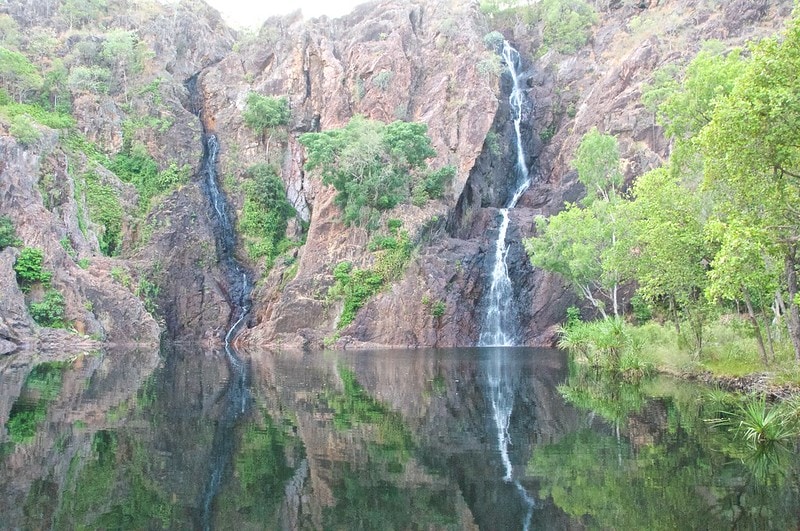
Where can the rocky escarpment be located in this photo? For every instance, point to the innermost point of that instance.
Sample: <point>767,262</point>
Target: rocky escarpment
<point>96,305</point>
<point>330,70</point>
<point>413,60</point>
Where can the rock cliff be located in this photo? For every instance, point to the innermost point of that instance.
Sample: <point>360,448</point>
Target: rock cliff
<point>415,60</point>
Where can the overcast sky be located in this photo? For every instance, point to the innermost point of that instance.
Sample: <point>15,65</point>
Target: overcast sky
<point>251,13</point>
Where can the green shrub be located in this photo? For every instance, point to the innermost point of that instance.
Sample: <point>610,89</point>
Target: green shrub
<point>357,286</point>
<point>265,214</point>
<point>494,41</point>
<point>438,309</point>
<point>566,24</point>
<point>8,234</point>
<point>50,311</point>
<point>602,342</point>
<point>383,79</point>
<point>105,209</point>
<point>29,268</point>
<point>23,129</point>
<point>372,165</point>
<point>138,168</point>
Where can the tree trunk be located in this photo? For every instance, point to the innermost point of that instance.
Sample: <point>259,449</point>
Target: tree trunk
<point>793,319</point>
<point>756,327</point>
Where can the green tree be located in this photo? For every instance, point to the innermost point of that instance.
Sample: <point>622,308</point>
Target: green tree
<point>744,268</point>
<point>751,155</point>
<point>29,268</point>
<point>91,79</point>
<point>585,246</point>
<point>597,162</point>
<point>373,166</point>
<point>670,251</point>
<point>566,24</point>
<point>8,234</point>
<point>265,213</point>
<point>23,128</point>
<point>264,114</point>
<point>17,74</point>
<point>79,12</point>
<point>121,51</point>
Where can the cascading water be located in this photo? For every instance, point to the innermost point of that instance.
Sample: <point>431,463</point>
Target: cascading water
<point>500,324</point>
<point>239,287</point>
<point>500,328</point>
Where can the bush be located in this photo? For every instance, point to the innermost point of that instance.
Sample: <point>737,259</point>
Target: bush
<point>265,214</point>
<point>602,342</point>
<point>50,311</point>
<point>23,129</point>
<point>372,165</point>
<point>566,24</point>
<point>494,41</point>
<point>8,235</point>
<point>106,210</point>
<point>29,268</point>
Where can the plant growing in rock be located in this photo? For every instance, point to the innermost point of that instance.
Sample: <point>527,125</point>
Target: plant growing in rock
<point>372,165</point>
<point>265,114</point>
<point>50,310</point>
<point>29,268</point>
<point>265,214</point>
<point>8,234</point>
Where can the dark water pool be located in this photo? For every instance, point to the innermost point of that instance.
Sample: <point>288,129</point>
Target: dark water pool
<point>429,439</point>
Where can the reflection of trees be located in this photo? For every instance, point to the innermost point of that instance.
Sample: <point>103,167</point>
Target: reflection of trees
<point>379,493</point>
<point>685,479</point>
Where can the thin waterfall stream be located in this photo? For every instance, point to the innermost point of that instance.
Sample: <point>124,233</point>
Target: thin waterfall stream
<point>239,288</point>
<point>500,327</point>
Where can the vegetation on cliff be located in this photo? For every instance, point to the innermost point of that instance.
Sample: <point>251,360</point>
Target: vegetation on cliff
<point>375,167</point>
<point>713,233</point>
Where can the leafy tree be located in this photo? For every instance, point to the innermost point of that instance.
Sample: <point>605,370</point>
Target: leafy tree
<point>597,162</point>
<point>8,235</point>
<point>121,51</point>
<point>671,252</point>
<point>744,268</point>
<point>50,311</point>
<point>265,213</point>
<point>79,12</point>
<point>17,74</point>
<point>29,268</point>
<point>91,79</point>
<point>585,246</point>
<point>264,114</point>
<point>23,129</point>
<point>751,155</point>
<point>566,24</point>
<point>373,166</point>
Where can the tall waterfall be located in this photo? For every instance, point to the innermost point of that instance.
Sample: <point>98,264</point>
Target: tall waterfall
<point>500,327</point>
<point>239,286</point>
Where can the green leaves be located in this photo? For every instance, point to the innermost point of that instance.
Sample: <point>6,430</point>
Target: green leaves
<point>374,166</point>
<point>597,162</point>
<point>264,112</point>
<point>29,268</point>
<point>265,214</point>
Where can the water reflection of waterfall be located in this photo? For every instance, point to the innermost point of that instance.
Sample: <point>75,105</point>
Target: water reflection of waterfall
<point>500,327</point>
<point>239,286</point>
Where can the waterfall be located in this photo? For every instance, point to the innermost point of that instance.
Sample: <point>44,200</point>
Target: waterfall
<point>500,327</point>
<point>239,286</point>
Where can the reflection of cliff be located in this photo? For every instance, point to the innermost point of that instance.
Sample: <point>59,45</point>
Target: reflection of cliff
<point>73,402</point>
<point>378,423</point>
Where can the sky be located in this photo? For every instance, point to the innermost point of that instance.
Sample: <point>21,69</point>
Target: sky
<point>251,13</point>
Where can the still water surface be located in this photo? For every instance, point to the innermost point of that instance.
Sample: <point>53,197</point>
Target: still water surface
<point>482,438</point>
